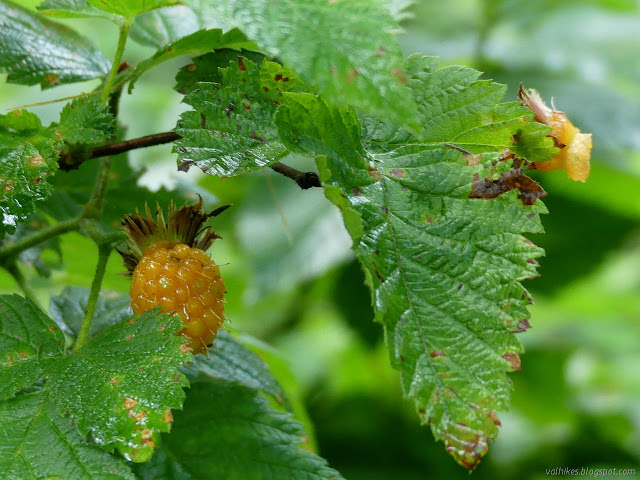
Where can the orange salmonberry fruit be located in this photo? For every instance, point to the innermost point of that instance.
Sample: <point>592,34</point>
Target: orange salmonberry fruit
<point>575,147</point>
<point>169,268</point>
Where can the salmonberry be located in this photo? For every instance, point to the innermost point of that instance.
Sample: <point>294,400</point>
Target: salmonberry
<point>575,147</point>
<point>169,268</point>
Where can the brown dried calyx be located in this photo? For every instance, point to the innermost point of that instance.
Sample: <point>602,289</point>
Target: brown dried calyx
<point>184,225</point>
<point>575,146</point>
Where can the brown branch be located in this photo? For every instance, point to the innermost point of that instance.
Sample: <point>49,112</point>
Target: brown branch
<point>303,179</point>
<point>125,146</point>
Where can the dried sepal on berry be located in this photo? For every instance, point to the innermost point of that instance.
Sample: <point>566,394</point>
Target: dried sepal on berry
<point>169,268</point>
<point>575,146</point>
<point>184,225</point>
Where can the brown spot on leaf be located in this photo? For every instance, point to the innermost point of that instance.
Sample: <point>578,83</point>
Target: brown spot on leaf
<point>494,418</point>
<point>400,75</point>
<point>192,67</point>
<point>9,358</point>
<point>351,75</point>
<point>356,191</point>
<point>129,403</point>
<point>398,172</point>
<point>378,274</point>
<point>168,416</point>
<point>437,353</point>
<point>429,220</point>
<point>51,78</point>
<point>139,417</point>
<point>374,173</point>
<point>241,65</point>
<point>176,378</point>
<point>52,328</point>
<point>523,326</point>
<point>129,337</point>
<point>23,355</point>
<point>530,190</point>
<point>114,380</point>
<point>257,137</point>
<point>148,443</point>
<point>514,360</point>
<point>36,161</point>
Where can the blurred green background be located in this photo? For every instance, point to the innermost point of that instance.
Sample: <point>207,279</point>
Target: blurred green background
<point>294,283</point>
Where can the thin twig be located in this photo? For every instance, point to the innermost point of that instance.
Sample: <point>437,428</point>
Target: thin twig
<point>303,179</point>
<point>125,146</point>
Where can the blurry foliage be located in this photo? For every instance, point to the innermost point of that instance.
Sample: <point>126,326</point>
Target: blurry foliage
<point>576,401</point>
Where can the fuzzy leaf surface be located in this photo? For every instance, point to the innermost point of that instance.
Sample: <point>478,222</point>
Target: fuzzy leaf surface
<point>37,443</point>
<point>34,50</point>
<point>253,441</point>
<point>85,121</point>
<point>444,269</point>
<point>122,385</point>
<point>231,129</point>
<point>230,360</point>
<point>29,340</point>
<point>343,48</point>
<point>197,43</point>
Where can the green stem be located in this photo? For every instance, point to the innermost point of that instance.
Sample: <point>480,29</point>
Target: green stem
<point>122,40</point>
<point>104,250</point>
<point>42,236</point>
<point>17,274</point>
<point>93,208</point>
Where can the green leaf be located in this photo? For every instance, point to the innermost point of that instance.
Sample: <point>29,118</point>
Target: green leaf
<point>37,443</point>
<point>231,130</point>
<point>121,386</point>
<point>206,68</point>
<point>398,9</point>
<point>85,121</point>
<point>67,309</point>
<point>27,157</point>
<point>230,360</point>
<point>444,268</point>
<point>130,8</point>
<point>35,50</point>
<point>197,43</point>
<point>251,441</point>
<point>159,28</point>
<point>28,340</point>
<point>73,8</point>
<point>343,48</point>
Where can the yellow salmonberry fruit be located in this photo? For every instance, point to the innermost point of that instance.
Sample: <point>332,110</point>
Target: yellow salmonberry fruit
<point>168,266</point>
<point>184,281</point>
<point>575,151</point>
